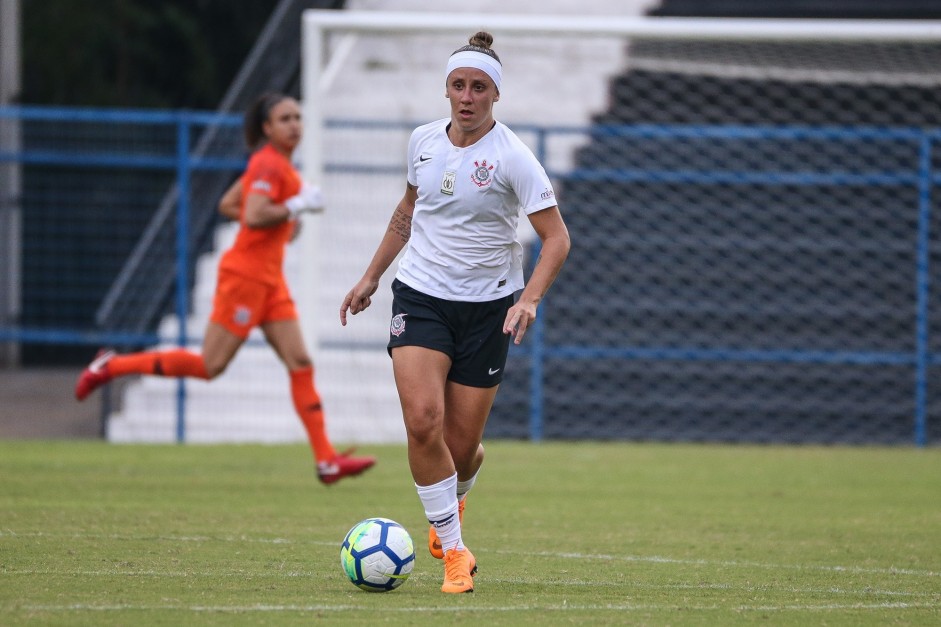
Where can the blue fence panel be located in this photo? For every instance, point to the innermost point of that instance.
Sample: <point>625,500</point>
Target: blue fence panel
<point>714,273</point>
<point>85,206</point>
<point>717,272</point>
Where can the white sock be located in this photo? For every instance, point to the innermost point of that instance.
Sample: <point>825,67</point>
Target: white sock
<point>463,487</point>
<point>440,502</point>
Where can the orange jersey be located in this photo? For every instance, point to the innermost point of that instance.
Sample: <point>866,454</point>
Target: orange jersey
<point>258,253</point>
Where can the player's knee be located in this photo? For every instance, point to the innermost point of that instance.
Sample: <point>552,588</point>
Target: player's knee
<point>424,423</point>
<point>215,368</point>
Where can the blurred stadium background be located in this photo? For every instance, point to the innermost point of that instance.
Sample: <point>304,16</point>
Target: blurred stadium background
<point>754,236</point>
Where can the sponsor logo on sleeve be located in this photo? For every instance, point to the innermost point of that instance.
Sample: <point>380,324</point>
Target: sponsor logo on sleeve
<point>261,185</point>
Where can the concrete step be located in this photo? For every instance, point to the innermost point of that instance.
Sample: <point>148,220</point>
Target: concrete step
<point>251,401</point>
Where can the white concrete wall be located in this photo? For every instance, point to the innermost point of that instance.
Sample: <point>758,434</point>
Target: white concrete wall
<point>559,82</point>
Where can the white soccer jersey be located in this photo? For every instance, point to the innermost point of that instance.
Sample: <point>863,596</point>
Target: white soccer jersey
<point>464,243</point>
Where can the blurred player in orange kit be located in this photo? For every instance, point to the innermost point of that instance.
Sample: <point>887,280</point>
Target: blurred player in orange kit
<point>251,289</point>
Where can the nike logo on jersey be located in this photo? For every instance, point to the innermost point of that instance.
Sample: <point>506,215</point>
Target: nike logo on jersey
<point>423,158</point>
<point>493,371</point>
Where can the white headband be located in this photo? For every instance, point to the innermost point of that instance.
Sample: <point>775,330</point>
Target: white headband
<point>477,60</point>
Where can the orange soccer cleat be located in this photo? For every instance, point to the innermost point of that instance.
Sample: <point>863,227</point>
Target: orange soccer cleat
<point>459,570</point>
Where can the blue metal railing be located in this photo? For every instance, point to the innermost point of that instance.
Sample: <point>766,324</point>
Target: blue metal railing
<point>921,177</point>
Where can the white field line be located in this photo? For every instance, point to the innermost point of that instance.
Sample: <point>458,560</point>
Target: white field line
<point>654,559</point>
<point>630,607</point>
<point>650,559</point>
<point>866,592</point>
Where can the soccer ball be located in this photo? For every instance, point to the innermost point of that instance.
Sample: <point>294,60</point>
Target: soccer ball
<point>377,555</point>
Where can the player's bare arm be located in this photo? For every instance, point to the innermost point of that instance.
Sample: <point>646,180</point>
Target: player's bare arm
<point>401,224</point>
<point>261,212</point>
<point>552,231</point>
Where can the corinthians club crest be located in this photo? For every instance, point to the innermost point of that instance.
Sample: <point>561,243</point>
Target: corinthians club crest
<point>483,173</point>
<point>397,327</point>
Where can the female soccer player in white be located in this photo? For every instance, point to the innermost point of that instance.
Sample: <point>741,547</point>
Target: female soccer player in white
<point>453,309</point>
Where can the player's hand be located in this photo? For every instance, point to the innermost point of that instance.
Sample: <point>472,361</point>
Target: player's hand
<point>308,200</point>
<point>518,319</point>
<point>358,298</point>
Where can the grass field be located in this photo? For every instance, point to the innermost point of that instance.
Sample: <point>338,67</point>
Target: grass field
<point>565,533</point>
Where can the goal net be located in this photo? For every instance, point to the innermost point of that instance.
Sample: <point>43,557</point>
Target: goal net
<point>750,204</point>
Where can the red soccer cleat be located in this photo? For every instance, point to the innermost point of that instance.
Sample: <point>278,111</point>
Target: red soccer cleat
<point>343,465</point>
<point>95,375</point>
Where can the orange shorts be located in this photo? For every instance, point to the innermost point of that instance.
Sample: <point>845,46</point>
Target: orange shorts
<point>241,304</point>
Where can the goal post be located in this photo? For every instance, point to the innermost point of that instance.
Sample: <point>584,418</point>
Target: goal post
<point>709,152</point>
<point>328,36</point>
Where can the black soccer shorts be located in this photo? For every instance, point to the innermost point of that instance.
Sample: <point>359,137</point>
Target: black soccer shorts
<point>471,334</point>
